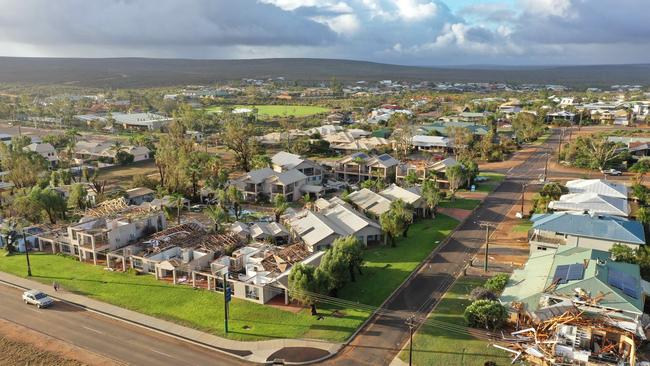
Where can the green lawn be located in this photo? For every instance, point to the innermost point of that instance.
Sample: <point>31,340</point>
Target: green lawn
<point>435,346</point>
<point>195,308</point>
<point>542,139</point>
<point>523,227</point>
<point>463,203</point>
<point>493,181</point>
<point>385,268</point>
<point>270,110</point>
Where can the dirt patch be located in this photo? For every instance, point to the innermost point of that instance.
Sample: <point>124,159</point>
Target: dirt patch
<point>457,213</point>
<point>23,346</point>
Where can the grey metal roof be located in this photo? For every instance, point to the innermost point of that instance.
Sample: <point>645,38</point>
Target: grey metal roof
<point>591,202</point>
<point>598,186</point>
<point>612,228</point>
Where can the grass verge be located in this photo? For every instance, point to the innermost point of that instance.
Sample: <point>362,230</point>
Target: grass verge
<point>462,203</point>
<point>435,346</point>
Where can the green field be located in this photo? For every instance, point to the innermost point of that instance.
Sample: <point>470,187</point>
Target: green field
<point>436,346</point>
<point>493,181</point>
<point>384,269</point>
<point>462,203</point>
<point>542,139</point>
<point>271,110</point>
<point>523,227</point>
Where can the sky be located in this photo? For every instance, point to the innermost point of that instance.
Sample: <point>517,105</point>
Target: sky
<point>407,32</point>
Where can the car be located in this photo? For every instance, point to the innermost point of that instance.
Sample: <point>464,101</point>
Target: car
<point>611,172</point>
<point>38,298</point>
<point>198,208</point>
<point>480,179</point>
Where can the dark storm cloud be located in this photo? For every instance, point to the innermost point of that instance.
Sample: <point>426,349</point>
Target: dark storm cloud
<point>130,23</point>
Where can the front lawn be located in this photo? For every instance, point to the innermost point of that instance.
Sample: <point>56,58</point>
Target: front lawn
<point>493,181</point>
<point>462,203</point>
<point>523,227</point>
<point>195,308</point>
<point>435,346</point>
<point>384,270</point>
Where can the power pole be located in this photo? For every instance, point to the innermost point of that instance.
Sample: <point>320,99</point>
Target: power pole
<point>411,324</point>
<point>559,146</point>
<point>29,267</point>
<point>487,225</point>
<point>545,172</point>
<point>523,193</point>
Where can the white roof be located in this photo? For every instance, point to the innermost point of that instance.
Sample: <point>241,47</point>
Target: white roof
<point>598,186</point>
<point>408,195</point>
<point>267,229</point>
<point>428,141</point>
<point>347,219</point>
<point>286,160</point>
<point>312,227</point>
<point>442,165</point>
<point>370,201</point>
<point>290,176</point>
<point>591,202</point>
<point>41,148</point>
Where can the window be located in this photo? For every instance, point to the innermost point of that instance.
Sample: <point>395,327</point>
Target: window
<point>252,292</point>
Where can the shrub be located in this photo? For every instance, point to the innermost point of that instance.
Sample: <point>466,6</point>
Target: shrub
<point>497,283</point>
<point>481,293</point>
<point>485,314</point>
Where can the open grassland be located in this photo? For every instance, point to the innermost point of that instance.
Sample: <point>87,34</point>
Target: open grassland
<point>279,110</point>
<point>441,347</point>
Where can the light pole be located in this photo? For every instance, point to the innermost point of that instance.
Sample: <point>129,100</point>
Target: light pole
<point>487,225</point>
<point>29,267</point>
<point>411,324</point>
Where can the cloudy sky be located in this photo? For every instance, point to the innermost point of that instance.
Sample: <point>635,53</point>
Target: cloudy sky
<point>411,32</point>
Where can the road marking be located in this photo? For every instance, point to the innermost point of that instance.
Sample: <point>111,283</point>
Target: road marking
<point>163,353</point>
<point>92,330</point>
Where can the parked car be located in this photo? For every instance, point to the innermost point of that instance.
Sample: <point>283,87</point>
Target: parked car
<point>611,172</point>
<point>198,208</point>
<point>38,298</point>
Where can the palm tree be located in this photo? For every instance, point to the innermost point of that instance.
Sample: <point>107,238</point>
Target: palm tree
<point>177,199</point>
<point>235,198</point>
<point>390,225</point>
<point>72,134</point>
<point>431,195</point>
<point>116,147</point>
<point>404,213</point>
<point>218,215</point>
<point>280,205</point>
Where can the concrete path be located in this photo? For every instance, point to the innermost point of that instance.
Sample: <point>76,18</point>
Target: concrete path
<point>258,352</point>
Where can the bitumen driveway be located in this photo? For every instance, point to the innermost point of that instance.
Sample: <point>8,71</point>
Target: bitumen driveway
<point>113,339</point>
<point>384,336</point>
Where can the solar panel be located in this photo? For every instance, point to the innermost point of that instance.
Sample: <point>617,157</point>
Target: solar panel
<point>384,157</point>
<point>576,272</point>
<point>561,273</point>
<point>623,282</point>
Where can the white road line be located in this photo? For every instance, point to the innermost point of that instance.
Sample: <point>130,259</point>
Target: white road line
<point>92,330</point>
<point>163,353</point>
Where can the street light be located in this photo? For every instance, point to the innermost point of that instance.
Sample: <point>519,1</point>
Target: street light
<point>29,267</point>
<point>411,324</point>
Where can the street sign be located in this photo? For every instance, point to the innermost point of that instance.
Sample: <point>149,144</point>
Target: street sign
<point>228,294</point>
<point>472,188</point>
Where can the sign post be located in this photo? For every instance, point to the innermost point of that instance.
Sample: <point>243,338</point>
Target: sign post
<point>227,296</point>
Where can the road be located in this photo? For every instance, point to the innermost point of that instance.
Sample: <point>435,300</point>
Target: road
<point>383,337</point>
<point>113,339</point>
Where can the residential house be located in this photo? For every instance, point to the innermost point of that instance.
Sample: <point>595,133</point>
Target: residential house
<point>425,169</point>
<point>588,279</point>
<point>271,232</point>
<point>284,161</point>
<point>266,183</point>
<point>105,150</point>
<point>363,144</point>
<point>137,121</point>
<point>439,144</point>
<point>410,195</point>
<point>361,166</point>
<point>139,195</point>
<point>598,186</point>
<point>578,229</point>
<point>371,203</point>
<point>46,150</point>
<point>591,202</point>
<point>442,128</point>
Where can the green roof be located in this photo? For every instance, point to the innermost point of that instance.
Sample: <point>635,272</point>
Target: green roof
<point>526,285</point>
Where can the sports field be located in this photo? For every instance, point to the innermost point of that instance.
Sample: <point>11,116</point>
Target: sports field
<point>271,110</point>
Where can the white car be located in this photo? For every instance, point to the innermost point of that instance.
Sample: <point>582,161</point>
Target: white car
<point>611,172</point>
<point>38,298</point>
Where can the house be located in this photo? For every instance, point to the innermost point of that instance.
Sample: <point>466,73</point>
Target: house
<point>588,279</point>
<point>411,196</point>
<point>442,128</point>
<point>46,150</point>
<point>373,204</point>
<point>266,183</point>
<point>269,232</point>
<point>138,121</point>
<point>599,187</point>
<point>333,220</point>
<point>621,118</point>
<point>561,116</point>
<point>439,144</point>
<point>108,226</point>
<point>363,144</point>
<point>425,169</point>
<point>578,229</point>
<point>139,195</point>
<point>591,202</point>
<point>361,166</point>
<point>106,150</point>
<point>284,161</point>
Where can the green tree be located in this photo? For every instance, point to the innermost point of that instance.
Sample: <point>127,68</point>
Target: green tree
<point>471,171</point>
<point>391,226</point>
<point>177,200</point>
<point>238,136</point>
<point>334,265</point>
<point>218,216</point>
<point>486,314</point>
<point>49,201</point>
<point>623,253</point>
<point>305,283</point>
<point>431,195</point>
<point>261,161</point>
<point>553,191</point>
<point>455,177</point>
<point>280,205</point>
<point>235,198</point>
<point>497,283</point>
<point>411,178</point>
<point>404,214</point>
<point>351,249</point>
<point>641,167</point>
<point>78,197</point>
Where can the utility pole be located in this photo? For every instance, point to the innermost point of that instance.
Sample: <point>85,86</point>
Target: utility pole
<point>227,296</point>
<point>487,225</point>
<point>559,146</point>
<point>411,324</point>
<point>29,267</point>
<point>523,193</point>
<point>545,173</point>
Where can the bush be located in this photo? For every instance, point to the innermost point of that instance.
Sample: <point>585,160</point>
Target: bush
<point>485,314</point>
<point>497,283</point>
<point>481,293</point>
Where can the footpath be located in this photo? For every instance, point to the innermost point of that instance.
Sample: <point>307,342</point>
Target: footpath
<point>257,352</point>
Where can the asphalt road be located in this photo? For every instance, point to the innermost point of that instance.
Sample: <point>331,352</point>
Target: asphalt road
<point>383,337</point>
<point>114,339</point>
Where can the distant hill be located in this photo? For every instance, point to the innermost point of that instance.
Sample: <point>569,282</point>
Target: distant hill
<point>143,72</point>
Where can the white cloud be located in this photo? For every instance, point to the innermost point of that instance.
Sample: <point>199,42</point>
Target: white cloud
<point>413,10</point>
<point>558,8</point>
<point>344,24</point>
